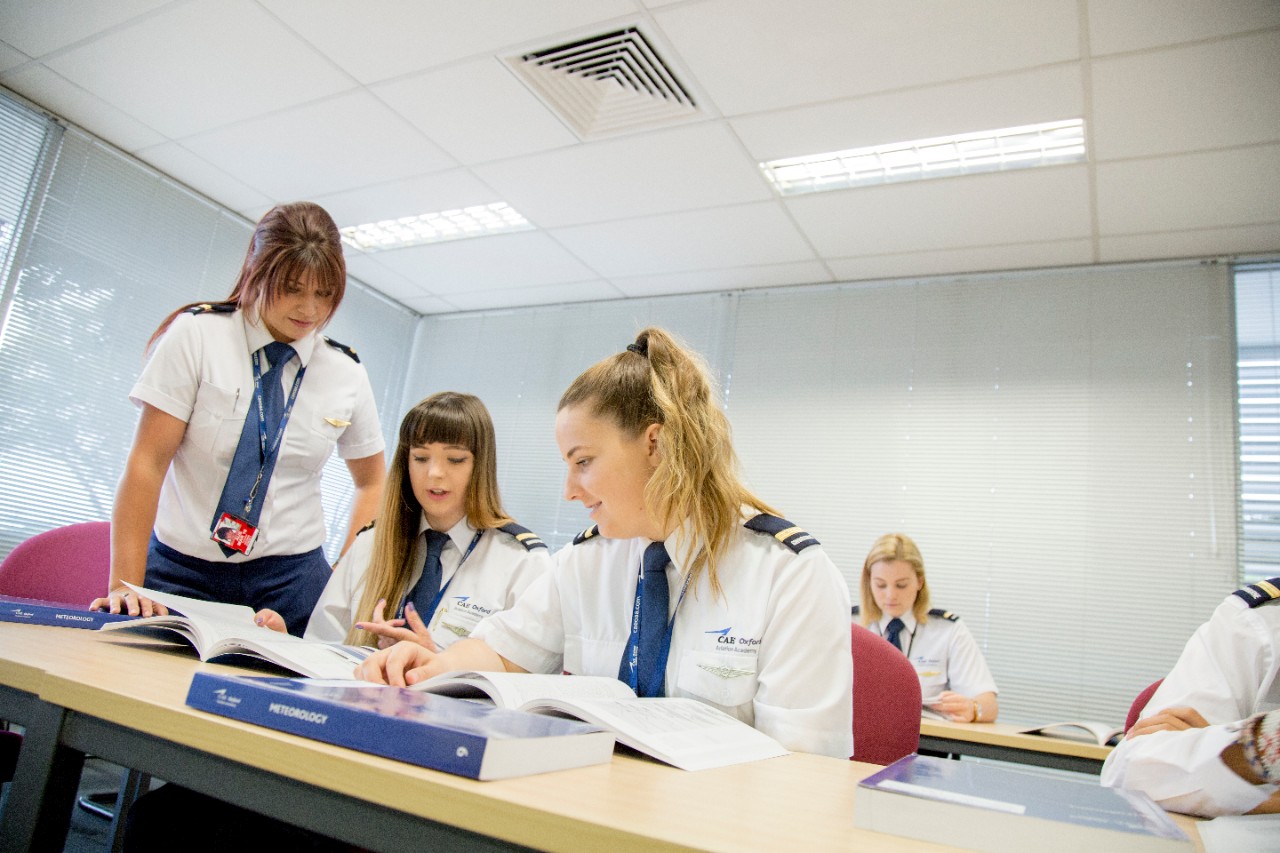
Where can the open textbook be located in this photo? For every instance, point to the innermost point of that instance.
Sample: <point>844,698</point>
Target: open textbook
<point>682,732</point>
<point>217,630</point>
<point>1083,730</point>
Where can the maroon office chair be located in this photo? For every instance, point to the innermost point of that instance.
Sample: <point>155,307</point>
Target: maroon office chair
<point>69,565</point>
<point>1140,702</point>
<point>886,700</point>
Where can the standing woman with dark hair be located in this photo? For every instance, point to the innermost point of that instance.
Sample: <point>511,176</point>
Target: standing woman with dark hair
<point>687,584</point>
<point>243,402</point>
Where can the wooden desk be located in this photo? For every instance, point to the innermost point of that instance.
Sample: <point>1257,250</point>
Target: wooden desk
<point>1004,742</point>
<point>124,700</point>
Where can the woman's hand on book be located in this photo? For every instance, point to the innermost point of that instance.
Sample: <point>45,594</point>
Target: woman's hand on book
<point>392,631</point>
<point>268,618</point>
<point>125,600</point>
<point>1168,720</point>
<point>400,665</point>
<point>955,707</point>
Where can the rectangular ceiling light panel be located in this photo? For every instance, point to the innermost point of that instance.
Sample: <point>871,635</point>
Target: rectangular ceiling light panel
<point>1047,144</point>
<point>477,221</point>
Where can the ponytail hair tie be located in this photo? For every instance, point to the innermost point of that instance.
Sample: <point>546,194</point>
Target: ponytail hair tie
<point>639,349</point>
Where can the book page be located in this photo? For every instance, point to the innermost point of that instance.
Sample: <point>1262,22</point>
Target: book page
<point>308,657</point>
<point>1081,730</point>
<point>682,732</point>
<point>514,689</point>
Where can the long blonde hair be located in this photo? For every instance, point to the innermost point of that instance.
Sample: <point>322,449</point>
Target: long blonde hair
<point>657,381</point>
<point>892,547</point>
<point>446,418</point>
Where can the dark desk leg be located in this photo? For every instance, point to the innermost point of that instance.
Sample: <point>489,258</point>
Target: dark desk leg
<point>38,810</point>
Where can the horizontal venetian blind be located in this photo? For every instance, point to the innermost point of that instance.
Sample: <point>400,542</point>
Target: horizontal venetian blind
<point>1257,290</point>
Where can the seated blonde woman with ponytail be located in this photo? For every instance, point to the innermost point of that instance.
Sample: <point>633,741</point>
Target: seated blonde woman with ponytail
<point>687,584</point>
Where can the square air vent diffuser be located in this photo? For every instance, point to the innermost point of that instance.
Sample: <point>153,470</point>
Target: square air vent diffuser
<point>607,84</point>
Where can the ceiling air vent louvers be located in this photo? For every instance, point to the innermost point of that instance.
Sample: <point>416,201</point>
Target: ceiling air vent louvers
<point>606,84</point>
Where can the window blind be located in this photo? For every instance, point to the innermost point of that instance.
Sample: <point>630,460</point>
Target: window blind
<point>1257,291</point>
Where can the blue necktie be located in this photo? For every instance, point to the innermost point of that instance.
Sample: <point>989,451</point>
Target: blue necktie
<point>655,600</point>
<point>893,630</point>
<point>248,458</point>
<point>425,591</point>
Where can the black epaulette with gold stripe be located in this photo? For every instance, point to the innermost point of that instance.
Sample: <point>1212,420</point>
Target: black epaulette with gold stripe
<point>1261,592</point>
<point>524,536</point>
<point>590,533</point>
<point>857,610</point>
<point>343,348</point>
<point>212,308</point>
<point>944,614</point>
<point>368,526</point>
<point>782,530</point>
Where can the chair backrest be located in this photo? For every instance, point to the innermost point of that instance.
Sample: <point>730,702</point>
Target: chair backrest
<point>886,700</point>
<point>70,565</point>
<point>1140,702</point>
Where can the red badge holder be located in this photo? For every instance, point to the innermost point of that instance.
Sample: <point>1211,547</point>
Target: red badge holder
<point>236,533</point>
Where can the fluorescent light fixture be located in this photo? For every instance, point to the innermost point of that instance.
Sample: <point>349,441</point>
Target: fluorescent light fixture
<point>1047,144</point>
<point>476,221</point>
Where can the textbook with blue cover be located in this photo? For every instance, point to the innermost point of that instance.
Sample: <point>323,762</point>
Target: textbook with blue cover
<point>1010,810</point>
<point>439,732</point>
<point>14,609</point>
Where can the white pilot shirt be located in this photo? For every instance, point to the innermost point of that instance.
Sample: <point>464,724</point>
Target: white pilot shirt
<point>1227,672</point>
<point>772,650</point>
<point>201,372</point>
<point>489,580</point>
<point>945,656</point>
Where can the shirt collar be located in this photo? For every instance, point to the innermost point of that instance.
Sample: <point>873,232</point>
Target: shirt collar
<point>908,621</point>
<point>460,534</point>
<point>256,337</point>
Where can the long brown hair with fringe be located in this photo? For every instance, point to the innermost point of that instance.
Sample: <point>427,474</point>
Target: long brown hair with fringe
<point>658,381</point>
<point>289,241</point>
<point>892,547</point>
<point>445,418</point>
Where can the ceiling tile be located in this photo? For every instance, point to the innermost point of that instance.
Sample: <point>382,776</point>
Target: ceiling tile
<point>740,278</point>
<point>429,305</point>
<point>409,35</point>
<point>1044,94</point>
<point>752,55</point>
<point>201,176</point>
<point>699,165</point>
<point>547,294</point>
<point>951,213</point>
<point>37,27</point>
<point>446,106</point>
<point>1240,240</point>
<point>407,197</point>
<point>201,65</point>
<point>388,282</point>
<point>1122,25</point>
<point>697,240</point>
<point>1188,98</point>
<point>528,258</point>
<point>1205,190</point>
<point>342,143</point>
<point>11,57</point>
<point>980,259</point>
<point>61,97</point>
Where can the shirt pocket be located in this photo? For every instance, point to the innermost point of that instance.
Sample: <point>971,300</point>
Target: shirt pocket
<point>310,440</point>
<point>592,657</point>
<point>933,679</point>
<point>214,426</point>
<point>728,680</point>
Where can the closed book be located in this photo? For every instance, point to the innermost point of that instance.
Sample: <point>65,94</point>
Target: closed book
<point>440,732</point>
<point>1010,810</point>
<point>14,609</point>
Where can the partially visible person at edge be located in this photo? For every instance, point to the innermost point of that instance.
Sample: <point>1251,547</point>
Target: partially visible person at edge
<point>954,679</point>
<point>443,546</point>
<point>1208,741</point>
<point>242,402</point>
<point>687,584</point>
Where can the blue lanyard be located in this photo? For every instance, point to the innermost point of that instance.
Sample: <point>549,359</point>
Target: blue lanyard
<point>633,679</point>
<point>266,454</point>
<point>444,587</point>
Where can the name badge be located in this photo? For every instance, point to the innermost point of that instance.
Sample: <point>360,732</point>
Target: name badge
<point>235,533</point>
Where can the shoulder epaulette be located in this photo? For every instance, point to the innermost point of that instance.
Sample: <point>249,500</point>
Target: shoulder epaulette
<point>782,530</point>
<point>343,348</point>
<point>368,526</point>
<point>212,308</point>
<point>590,533</point>
<point>524,536</point>
<point>857,609</point>
<point>944,614</point>
<point>1261,592</point>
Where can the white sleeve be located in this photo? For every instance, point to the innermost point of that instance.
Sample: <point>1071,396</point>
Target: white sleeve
<point>335,611</point>
<point>364,436</point>
<point>967,671</point>
<point>531,633</point>
<point>171,377</point>
<point>1183,772</point>
<point>804,698</point>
